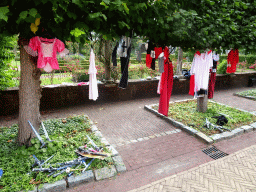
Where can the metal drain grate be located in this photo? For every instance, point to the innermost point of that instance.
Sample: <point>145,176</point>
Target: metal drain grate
<point>214,153</point>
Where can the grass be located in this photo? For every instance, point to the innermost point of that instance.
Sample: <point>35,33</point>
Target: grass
<point>186,113</point>
<point>16,161</point>
<point>250,93</point>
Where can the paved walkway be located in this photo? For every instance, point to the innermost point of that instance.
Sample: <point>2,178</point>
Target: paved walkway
<point>166,152</point>
<point>233,173</point>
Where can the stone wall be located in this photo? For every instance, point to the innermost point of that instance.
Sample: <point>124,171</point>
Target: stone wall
<point>56,96</point>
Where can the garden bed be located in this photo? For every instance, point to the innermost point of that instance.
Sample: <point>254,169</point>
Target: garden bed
<point>183,114</point>
<point>250,94</point>
<point>68,134</point>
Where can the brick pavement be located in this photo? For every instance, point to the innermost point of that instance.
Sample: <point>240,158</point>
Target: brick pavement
<point>149,160</point>
<point>236,172</point>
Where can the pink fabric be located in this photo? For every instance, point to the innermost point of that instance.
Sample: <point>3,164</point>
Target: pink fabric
<point>47,51</point>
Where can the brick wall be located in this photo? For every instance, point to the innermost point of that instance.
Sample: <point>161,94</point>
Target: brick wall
<point>65,95</point>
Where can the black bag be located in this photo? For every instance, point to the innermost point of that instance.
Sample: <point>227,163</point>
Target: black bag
<point>221,120</point>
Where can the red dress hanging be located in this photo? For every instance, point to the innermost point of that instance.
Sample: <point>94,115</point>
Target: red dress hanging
<point>233,59</point>
<point>166,88</point>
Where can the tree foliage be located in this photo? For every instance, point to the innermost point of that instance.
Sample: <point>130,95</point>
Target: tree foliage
<point>195,24</point>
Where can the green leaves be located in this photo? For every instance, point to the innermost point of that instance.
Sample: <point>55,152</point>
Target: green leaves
<point>33,12</point>
<point>23,14</point>
<point>126,8</point>
<point>3,12</point>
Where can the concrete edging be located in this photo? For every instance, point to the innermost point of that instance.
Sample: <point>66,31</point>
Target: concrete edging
<point>88,176</point>
<point>246,97</point>
<point>200,135</point>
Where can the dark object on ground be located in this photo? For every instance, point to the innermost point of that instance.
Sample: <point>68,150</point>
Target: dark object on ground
<point>221,120</point>
<point>252,80</point>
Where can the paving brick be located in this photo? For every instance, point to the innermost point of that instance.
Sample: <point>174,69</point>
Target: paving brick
<point>105,172</point>
<point>85,177</point>
<point>58,186</point>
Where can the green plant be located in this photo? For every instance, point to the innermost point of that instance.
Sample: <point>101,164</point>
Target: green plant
<point>186,112</point>
<point>251,93</point>
<point>16,161</point>
<point>222,67</point>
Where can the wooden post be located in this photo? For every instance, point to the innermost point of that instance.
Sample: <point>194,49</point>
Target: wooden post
<point>202,103</point>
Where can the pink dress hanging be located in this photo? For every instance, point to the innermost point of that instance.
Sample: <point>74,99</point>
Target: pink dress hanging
<point>46,49</point>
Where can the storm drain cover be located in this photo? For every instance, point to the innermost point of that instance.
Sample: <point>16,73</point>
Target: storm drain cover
<point>214,153</point>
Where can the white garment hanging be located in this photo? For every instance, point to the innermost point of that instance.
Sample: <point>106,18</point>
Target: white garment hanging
<point>200,68</point>
<point>93,86</point>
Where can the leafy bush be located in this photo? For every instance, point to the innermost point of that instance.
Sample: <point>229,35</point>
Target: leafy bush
<point>6,56</point>
<point>222,67</point>
<point>16,161</point>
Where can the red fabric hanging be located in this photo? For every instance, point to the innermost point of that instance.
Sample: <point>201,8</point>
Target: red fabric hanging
<point>192,85</point>
<point>166,88</point>
<point>166,54</point>
<point>158,51</point>
<point>148,60</point>
<point>211,85</point>
<point>233,59</point>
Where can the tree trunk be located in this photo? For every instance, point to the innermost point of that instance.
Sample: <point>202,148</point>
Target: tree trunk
<point>179,62</point>
<point>29,96</point>
<point>202,103</point>
<point>107,62</point>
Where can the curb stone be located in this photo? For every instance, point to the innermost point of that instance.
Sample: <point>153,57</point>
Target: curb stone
<point>118,162</point>
<point>253,125</point>
<point>105,173</point>
<point>79,179</point>
<point>54,187</point>
<point>200,135</point>
<point>89,176</point>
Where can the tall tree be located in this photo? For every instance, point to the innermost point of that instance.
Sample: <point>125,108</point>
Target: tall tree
<point>66,20</point>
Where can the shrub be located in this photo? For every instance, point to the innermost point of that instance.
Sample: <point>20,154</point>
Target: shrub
<point>222,67</point>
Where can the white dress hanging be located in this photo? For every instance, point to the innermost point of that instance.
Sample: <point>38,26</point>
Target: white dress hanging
<point>93,86</point>
<point>200,68</point>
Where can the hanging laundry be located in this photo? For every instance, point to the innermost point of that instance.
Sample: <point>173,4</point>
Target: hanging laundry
<point>213,76</point>
<point>141,50</point>
<point>200,69</point>
<point>93,86</point>
<point>47,52</point>
<point>165,89</point>
<point>233,59</point>
<point>158,51</point>
<point>125,64</point>
<point>161,62</point>
<point>150,53</point>
<point>114,55</point>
